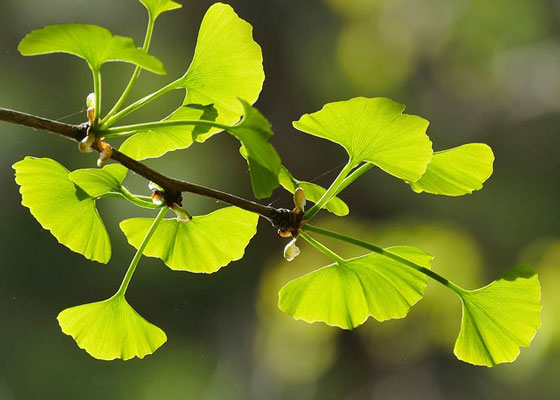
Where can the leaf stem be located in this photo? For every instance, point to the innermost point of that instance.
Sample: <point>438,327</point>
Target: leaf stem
<point>331,191</point>
<point>357,242</point>
<point>322,248</point>
<point>353,176</point>
<point>139,252</point>
<point>127,130</point>
<point>136,73</point>
<point>124,194</point>
<point>97,90</point>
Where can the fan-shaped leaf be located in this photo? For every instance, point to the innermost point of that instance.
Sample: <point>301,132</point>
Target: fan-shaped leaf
<point>63,208</point>
<point>156,7</point>
<point>111,329</point>
<point>95,44</point>
<point>156,142</point>
<point>457,171</point>
<point>346,294</point>
<point>98,181</point>
<point>227,65</point>
<point>312,192</point>
<point>205,244</point>
<point>499,318</point>
<point>374,130</point>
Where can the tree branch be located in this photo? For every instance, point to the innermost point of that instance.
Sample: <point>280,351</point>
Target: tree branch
<point>173,188</point>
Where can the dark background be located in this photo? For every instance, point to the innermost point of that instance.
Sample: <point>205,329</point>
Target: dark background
<point>478,70</point>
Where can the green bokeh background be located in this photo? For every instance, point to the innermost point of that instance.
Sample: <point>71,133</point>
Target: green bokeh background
<point>479,71</point>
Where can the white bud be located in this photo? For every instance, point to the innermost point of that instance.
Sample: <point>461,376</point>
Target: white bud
<point>182,215</point>
<point>299,200</point>
<point>105,154</point>
<point>85,145</point>
<point>90,100</point>
<point>291,250</point>
<point>154,186</point>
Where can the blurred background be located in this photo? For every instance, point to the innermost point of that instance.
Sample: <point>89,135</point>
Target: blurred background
<point>479,71</point>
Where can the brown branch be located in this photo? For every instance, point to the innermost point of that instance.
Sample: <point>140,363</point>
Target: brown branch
<point>173,188</point>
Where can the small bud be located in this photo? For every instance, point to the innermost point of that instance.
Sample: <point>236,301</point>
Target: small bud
<point>291,250</point>
<point>182,215</point>
<point>85,145</point>
<point>91,115</point>
<point>105,154</point>
<point>90,100</point>
<point>299,200</point>
<point>157,197</point>
<point>154,186</point>
<point>285,233</point>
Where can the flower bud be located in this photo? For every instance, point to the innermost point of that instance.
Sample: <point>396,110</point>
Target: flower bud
<point>154,186</point>
<point>182,215</point>
<point>90,100</point>
<point>105,154</point>
<point>299,200</point>
<point>85,145</point>
<point>291,250</point>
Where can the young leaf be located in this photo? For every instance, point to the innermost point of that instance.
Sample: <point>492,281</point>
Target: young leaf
<point>62,207</point>
<point>205,244</point>
<point>111,329</point>
<point>499,318</point>
<point>95,44</point>
<point>312,192</point>
<point>346,294</point>
<point>156,7</point>
<point>227,65</point>
<point>156,142</point>
<point>374,130</point>
<point>98,181</point>
<point>264,162</point>
<point>457,171</point>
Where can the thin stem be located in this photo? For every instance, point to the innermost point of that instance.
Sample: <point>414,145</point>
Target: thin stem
<point>130,129</point>
<point>97,90</point>
<point>353,176</point>
<point>136,73</point>
<point>140,201</point>
<point>357,242</point>
<point>322,248</point>
<point>139,103</point>
<point>329,194</point>
<point>139,252</point>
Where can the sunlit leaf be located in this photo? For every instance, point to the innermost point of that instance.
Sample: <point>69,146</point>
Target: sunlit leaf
<point>264,162</point>
<point>95,44</point>
<point>156,7</point>
<point>457,171</point>
<point>346,294</point>
<point>62,207</point>
<point>374,130</point>
<point>227,65</point>
<point>205,244</point>
<point>312,192</point>
<point>158,141</point>
<point>111,329</point>
<point>98,181</point>
<point>499,318</point>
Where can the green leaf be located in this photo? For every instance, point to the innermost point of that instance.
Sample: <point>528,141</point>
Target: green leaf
<point>457,171</point>
<point>346,294</point>
<point>376,131</point>
<point>264,162</point>
<point>499,318</point>
<point>62,207</point>
<point>205,244</point>
<point>312,192</point>
<point>156,7</point>
<point>98,181</point>
<point>227,65</point>
<point>156,142</point>
<point>95,44</point>
<point>111,329</point>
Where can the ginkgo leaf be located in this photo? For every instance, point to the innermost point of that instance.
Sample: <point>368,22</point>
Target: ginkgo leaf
<point>156,142</point>
<point>156,7</point>
<point>98,181</point>
<point>499,318</point>
<point>457,171</point>
<point>374,130</point>
<point>346,294</point>
<point>312,192</point>
<point>95,44</point>
<point>205,244</point>
<point>227,65</point>
<point>111,329</point>
<point>254,133</point>
<point>63,208</point>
